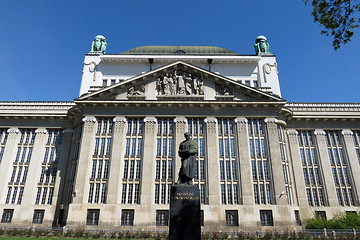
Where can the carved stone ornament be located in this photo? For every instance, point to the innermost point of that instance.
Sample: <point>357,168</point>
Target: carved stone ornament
<point>320,132</point>
<point>41,131</point>
<point>13,130</point>
<point>179,83</point>
<point>222,90</point>
<point>347,133</point>
<point>267,69</point>
<point>136,91</point>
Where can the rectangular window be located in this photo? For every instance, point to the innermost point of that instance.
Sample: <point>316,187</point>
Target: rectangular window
<point>232,218</point>
<point>297,218</point>
<point>320,214</point>
<point>266,218</point>
<point>38,216</point>
<point>162,217</point>
<point>7,215</point>
<point>127,217</point>
<point>92,217</point>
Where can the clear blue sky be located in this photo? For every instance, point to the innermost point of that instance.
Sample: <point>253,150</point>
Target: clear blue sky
<point>44,42</point>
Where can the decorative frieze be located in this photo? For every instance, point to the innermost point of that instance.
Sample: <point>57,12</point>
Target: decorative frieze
<point>150,125</point>
<point>347,132</point>
<point>180,125</point>
<point>119,124</point>
<point>241,124</point>
<point>88,123</point>
<point>293,136</point>
<point>320,136</point>
<point>319,132</point>
<point>179,83</point>
<point>13,130</point>
<point>13,133</point>
<point>211,124</point>
<point>271,124</point>
<point>40,131</point>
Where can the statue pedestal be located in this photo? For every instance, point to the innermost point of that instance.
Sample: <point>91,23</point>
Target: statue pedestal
<point>185,219</point>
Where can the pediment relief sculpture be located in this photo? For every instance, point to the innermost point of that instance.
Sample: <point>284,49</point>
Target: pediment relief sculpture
<point>136,91</point>
<point>179,83</point>
<point>223,90</point>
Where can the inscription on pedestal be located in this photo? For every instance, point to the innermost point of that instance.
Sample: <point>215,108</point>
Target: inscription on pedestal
<point>185,219</point>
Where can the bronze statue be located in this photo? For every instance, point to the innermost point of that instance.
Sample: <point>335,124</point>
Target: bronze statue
<point>188,150</point>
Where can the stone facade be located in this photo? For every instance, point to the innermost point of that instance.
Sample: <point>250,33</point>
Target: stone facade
<point>107,160</point>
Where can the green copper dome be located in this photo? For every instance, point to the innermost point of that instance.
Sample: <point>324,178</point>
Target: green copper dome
<point>181,50</point>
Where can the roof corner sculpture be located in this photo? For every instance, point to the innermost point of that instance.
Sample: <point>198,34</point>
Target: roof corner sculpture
<point>261,45</point>
<point>99,44</point>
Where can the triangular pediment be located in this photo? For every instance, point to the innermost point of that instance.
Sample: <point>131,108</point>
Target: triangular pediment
<point>180,81</point>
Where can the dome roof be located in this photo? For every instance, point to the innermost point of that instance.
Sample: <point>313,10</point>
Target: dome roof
<point>180,50</point>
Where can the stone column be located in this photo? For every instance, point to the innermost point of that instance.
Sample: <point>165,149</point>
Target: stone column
<point>7,160</point>
<point>212,160</point>
<point>353,163</point>
<point>246,183</point>
<point>84,162</point>
<point>35,167</point>
<point>148,161</point>
<point>180,129</point>
<point>117,161</point>
<point>278,181</point>
<point>59,193</point>
<point>294,154</point>
<point>329,185</point>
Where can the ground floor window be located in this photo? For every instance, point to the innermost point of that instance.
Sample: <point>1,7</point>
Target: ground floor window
<point>127,217</point>
<point>92,217</point>
<point>320,214</point>
<point>232,218</point>
<point>38,216</point>
<point>7,215</point>
<point>297,218</point>
<point>266,218</point>
<point>162,217</point>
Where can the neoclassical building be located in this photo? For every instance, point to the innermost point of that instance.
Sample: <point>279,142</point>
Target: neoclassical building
<point>108,159</point>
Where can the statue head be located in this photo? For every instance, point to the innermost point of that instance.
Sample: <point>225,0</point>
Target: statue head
<point>261,45</point>
<point>187,136</point>
<point>99,44</point>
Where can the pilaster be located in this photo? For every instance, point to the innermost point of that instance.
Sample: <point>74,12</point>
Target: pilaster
<point>299,186</point>
<point>86,151</point>
<point>329,184</point>
<point>7,160</point>
<point>212,160</point>
<point>117,161</point>
<point>180,126</point>
<point>246,184</point>
<point>59,192</point>
<point>35,167</point>
<point>353,163</point>
<point>148,162</point>
<point>276,163</point>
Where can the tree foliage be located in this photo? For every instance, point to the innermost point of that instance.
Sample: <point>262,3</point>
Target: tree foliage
<point>347,220</point>
<point>337,17</point>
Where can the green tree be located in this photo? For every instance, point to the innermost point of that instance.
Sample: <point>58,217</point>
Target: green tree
<point>338,18</point>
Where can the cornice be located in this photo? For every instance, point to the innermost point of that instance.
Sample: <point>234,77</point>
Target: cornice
<point>157,103</point>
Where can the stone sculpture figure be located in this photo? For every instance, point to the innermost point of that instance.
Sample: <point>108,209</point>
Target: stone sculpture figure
<point>188,84</point>
<point>159,86</point>
<point>188,150</point>
<point>181,83</point>
<point>99,44</point>
<point>138,90</point>
<point>261,45</point>
<point>167,84</point>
